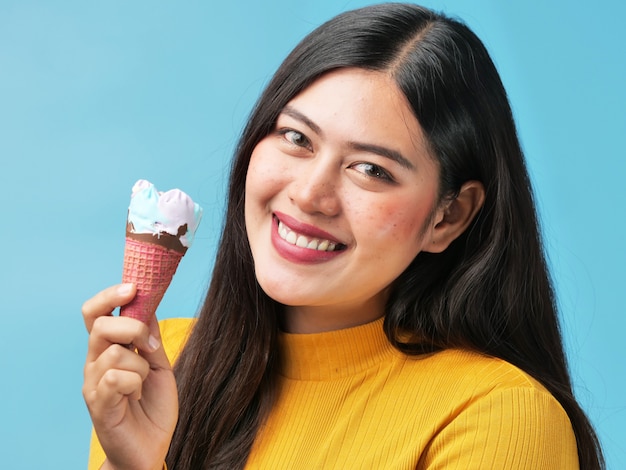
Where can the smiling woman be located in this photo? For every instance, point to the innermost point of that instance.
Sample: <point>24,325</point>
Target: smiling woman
<point>347,167</point>
<point>380,297</point>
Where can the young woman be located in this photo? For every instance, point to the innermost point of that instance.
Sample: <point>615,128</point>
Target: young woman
<point>380,297</point>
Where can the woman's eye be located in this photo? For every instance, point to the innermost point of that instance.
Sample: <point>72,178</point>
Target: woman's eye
<point>296,138</point>
<point>373,171</point>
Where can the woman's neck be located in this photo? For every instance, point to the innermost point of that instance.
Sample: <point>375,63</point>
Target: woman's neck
<point>319,319</point>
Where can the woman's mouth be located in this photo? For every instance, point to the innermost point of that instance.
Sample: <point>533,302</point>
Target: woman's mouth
<point>303,241</point>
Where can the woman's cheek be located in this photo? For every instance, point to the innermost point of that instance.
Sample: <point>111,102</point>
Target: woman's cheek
<point>265,176</point>
<point>399,220</point>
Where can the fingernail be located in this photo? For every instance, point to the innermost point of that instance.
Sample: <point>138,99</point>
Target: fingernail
<point>153,343</point>
<point>124,289</point>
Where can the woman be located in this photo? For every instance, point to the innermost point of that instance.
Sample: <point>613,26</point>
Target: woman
<point>380,297</point>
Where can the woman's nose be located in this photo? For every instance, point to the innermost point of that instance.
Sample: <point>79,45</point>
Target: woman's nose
<point>315,189</point>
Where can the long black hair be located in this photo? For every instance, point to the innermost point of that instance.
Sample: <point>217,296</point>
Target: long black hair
<point>489,291</point>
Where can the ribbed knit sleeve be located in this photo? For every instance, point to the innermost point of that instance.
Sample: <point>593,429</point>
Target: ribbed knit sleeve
<point>517,428</point>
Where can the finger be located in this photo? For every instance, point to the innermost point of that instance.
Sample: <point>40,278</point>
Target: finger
<point>153,326</point>
<point>109,330</point>
<point>115,357</point>
<point>105,301</point>
<point>153,351</point>
<point>109,399</point>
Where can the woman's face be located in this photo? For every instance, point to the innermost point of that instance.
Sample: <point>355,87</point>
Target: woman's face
<point>340,198</point>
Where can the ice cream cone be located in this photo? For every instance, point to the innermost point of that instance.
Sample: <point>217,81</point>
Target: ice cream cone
<point>159,229</point>
<point>151,268</point>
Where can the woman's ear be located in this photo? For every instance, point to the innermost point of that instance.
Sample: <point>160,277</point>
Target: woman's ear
<point>453,218</point>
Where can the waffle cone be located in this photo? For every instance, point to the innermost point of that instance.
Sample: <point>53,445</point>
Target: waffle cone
<point>151,268</point>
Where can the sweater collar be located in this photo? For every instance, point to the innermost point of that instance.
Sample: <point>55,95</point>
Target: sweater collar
<point>334,354</point>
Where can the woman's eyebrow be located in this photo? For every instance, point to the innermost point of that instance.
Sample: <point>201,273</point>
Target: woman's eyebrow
<point>360,146</point>
<point>294,113</point>
<point>384,152</point>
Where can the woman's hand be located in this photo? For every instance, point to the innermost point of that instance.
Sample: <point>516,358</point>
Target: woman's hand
<point>130,391</point>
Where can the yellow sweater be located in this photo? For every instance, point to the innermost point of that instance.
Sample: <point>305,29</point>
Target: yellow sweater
<point>348,400</point>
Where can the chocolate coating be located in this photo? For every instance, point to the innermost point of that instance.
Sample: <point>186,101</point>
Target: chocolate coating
<point>164,239</point>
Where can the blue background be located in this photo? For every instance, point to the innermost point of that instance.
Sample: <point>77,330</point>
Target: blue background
<point>95,95</point>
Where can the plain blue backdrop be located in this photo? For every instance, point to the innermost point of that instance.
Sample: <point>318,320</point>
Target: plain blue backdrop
<point>95,95</point>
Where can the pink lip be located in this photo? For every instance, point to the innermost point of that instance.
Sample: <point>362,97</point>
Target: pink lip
<point>305,229</point>
<point>297,254</point>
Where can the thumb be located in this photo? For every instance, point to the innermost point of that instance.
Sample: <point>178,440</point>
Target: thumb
<point>152,350</point>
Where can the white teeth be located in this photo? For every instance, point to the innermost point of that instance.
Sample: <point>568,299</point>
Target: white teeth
<point>304,242</point>
<point>282,231</point>
<point>291,238</point>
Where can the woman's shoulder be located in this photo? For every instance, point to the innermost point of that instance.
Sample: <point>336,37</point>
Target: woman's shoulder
<point>174,334</point>
<point>463,376</point>
<point>462,383</point>
<point>486,406</point>
<point>476,369</point>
